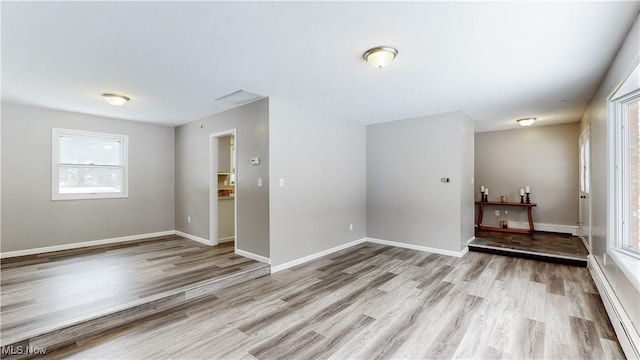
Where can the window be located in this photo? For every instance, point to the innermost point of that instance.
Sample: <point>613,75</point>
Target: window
<point>585,176</point>
<point>627,172</point>
<point>88,165</point>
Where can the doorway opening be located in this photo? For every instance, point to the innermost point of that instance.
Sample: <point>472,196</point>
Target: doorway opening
<point>223,194</point>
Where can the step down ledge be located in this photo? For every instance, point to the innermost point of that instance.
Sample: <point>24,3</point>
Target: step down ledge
<point>558,259</point>
<point>62,334</point>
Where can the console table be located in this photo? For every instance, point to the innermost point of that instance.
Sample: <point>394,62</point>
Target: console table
<point>482,204</point>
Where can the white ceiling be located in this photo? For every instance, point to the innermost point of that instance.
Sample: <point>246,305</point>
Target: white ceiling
<point>496,61</point>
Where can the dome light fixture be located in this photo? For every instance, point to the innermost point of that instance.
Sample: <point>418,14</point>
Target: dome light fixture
<point>526,121</point>
<point>115,99</point>
<point>380,56</point>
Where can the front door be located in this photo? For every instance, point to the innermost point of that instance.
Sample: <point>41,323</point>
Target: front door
<point>585,187</point>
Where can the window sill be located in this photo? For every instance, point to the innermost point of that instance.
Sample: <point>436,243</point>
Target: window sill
<point>58,197</point>
<point>628,264</point>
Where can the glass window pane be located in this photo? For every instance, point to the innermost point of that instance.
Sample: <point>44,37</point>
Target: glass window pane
<point>587,166</point>
<point>88,150</point>
<point>582,167</point>
<point>634,175</point>
<point>80,180</point>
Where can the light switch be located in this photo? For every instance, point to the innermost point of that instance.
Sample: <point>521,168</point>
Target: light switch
<point>259,182</point>
<point>281,182</point>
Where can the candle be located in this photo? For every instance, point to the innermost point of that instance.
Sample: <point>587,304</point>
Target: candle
<point>521,192</point>
<point>527,190</point>
<point>482,188</point>
<point>486,191</point>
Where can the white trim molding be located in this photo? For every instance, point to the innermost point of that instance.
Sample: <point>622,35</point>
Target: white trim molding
<point>83,244</point>
<point>253,256</point>
<point>626,333</point>
<point>196,238</point>
<point>419,247</point>
<point>557,228</point>
<point>226,239</point>
<point>302,260</point>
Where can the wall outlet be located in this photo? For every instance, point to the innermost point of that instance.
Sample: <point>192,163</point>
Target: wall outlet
<point>259,182</point>
<point>497,212</point>
<point>281,182</point>
<point>350,227</point>
<point>189,219</point>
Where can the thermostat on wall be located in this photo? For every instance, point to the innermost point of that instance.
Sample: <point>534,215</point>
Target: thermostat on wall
<point>255,161</point>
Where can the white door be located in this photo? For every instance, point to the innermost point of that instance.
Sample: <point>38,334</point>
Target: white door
<point>585,187</point>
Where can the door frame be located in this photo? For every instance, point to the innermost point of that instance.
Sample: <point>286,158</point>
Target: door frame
<point>213,186</point>
<point>585,134</point>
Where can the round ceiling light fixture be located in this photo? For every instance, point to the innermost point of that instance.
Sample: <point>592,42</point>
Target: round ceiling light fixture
<point>115,99</point>
<point>526,121</point>
<point>380,56</point>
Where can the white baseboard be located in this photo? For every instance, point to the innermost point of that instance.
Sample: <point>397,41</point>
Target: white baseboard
<point>226,239</point>
<point>558,228</point>
<point>275,269</point>
<point>196,238</point>
<point>83,244</point>
<point>419,248</point>
<point>253,256</point>
<point>471,239</point>
<point>626,333</point>
<point>584,242</point>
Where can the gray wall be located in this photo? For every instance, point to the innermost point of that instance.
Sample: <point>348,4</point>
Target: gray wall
<point>322,162</point>
<point>543,157</point>
<point>31,219</point>
<point>192,174</point>
<point>596,117</point>
<point>224,154</point>
<point>406,201</point>
<point>467,200</point>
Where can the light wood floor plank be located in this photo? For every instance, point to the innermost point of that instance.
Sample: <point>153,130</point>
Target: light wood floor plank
<point>373,301</point>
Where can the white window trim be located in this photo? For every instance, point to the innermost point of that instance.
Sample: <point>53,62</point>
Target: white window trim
<point>621,179</point>
<point>55,151</point>
<point>628,262</point>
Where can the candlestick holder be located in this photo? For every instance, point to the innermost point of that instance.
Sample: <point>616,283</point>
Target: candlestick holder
<point>521,199</point>
<point>528,199</point>
<point>486,198</point>
<point>481,195</point>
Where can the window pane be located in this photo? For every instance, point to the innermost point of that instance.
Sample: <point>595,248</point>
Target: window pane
<point>82,180</point>
<point>582,167</point>
<point>634,175</point>
<point>587,167</point>
<point>88,150</point>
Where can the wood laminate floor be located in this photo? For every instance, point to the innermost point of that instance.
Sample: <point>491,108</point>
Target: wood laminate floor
<point>377,302</point>
<point>39,293</point>
<point>540,244</point>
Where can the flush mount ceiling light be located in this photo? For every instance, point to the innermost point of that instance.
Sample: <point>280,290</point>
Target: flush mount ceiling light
<point>380,56</point>
<point>115,99</point>
<point>526,121</point>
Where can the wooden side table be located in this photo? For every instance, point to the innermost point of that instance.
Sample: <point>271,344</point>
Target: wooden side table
<point>482,204</point>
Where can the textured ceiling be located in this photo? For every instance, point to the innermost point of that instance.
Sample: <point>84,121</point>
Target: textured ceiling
<point>495,61</point>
